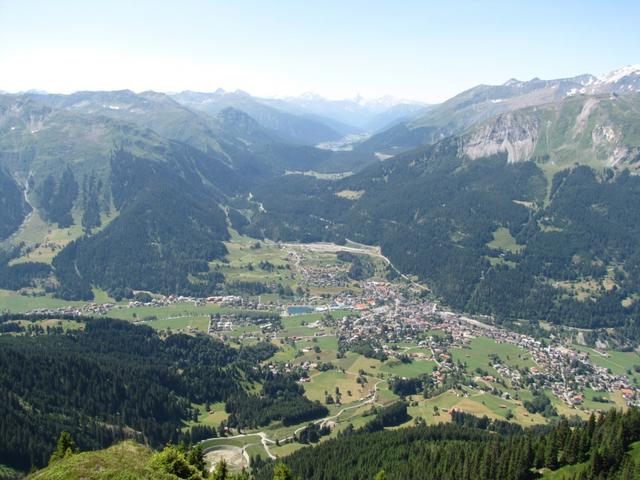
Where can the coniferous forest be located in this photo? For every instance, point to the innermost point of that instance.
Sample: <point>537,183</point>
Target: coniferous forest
<point>472,448</point>
<point>206,273</point>
<point>114,380</point>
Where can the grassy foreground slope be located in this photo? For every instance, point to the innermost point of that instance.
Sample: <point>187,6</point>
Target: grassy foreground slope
<point>124,461</point>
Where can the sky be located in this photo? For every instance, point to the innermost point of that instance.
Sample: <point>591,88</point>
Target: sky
<point>422,50</point>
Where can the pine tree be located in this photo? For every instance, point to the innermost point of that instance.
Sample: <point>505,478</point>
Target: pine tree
<point>221,472</point>
<point>282,472</point>
<point>172,460</point>
<point>551,453</point>
<point>64,447</point>
<point>195,457</point>
<point>538,458</point>
<point>381,475</point>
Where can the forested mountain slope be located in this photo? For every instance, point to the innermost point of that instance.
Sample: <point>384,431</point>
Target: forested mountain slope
<point>13,208</point>
<point>489,232</point>
<point>474,449</point>
<point>106,380</point>
<point>530,214</point>
<point>137,180</point>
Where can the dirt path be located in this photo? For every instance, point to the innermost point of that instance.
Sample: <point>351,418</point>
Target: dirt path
<point>266,441</point>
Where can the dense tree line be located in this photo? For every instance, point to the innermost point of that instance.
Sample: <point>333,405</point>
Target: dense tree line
<point>110,381</point>
<point>361,267</point>
<point>473,449</point>
<point>485,423</point>
<point>91,197</point>
<point>13,207</point>
<point>389,416</point>
<point>21,275</point>
<point>433,212</point>
<point>57,198</point>
<point>162,240</point>
<point>369,349</point>
<point>281,398</point>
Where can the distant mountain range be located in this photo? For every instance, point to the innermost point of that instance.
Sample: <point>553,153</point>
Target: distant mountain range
<point>458,114</point>
<point>366,115</point>
<point>296,128</point>
<point>518,200</point>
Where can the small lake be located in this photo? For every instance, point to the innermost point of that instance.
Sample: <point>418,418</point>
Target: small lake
<point>299,310</point>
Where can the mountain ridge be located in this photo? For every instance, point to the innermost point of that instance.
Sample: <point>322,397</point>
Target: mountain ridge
<point>477,104</point>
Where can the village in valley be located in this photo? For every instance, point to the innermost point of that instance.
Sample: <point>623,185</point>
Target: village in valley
<point>360,335</point>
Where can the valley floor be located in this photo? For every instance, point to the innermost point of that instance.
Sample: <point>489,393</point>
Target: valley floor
<point>361,340</point>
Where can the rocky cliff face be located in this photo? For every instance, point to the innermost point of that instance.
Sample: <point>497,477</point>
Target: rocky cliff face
<point>514,133</point>
<point>597,130</point>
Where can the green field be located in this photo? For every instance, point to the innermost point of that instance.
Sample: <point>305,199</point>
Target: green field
<point>618,362</point>
<point>45,241</point>
<point>285,449</point>
<point>175,310</point>
<point>354,363</point>
<point>257,450</point>
<point>295,326</point>
<point>242,262</point>
<point>424,408</point>
<point>329,380</point>
<point>213,417</point>
<point>327,343</point>
<point>15,302</point>
<point>413,369</point>
<point>180,324</point>
<point>475,402</point>
<point>503,240</point>
<point>476,355</point>
<point>65,324</point>
<point>385,396</point>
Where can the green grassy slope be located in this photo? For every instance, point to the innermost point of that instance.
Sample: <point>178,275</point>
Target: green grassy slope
<point>124,461</point>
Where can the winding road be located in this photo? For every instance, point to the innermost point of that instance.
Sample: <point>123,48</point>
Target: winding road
<point>265,440</point>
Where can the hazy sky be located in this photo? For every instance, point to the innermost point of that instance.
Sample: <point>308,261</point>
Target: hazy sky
<point>414,49</point>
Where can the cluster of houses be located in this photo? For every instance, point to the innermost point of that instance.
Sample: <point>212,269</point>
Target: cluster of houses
<point>320,276</point>
<point>220,323</point>
<point>88,309</point>
<point>387,317</point>
<point>96,309</point>
<point>387,314</point>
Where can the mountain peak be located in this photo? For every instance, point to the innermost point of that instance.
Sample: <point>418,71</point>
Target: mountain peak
<point>311,96</point>
<point>619,74</point>
<point>512,82</point>
<point>240,93</point>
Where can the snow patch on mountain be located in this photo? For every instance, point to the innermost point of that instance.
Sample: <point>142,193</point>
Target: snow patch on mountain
<point>617,75</point>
